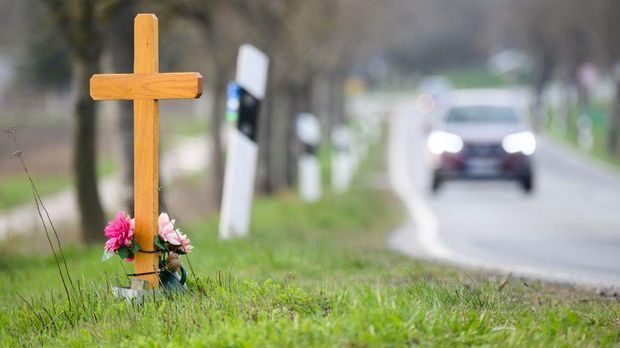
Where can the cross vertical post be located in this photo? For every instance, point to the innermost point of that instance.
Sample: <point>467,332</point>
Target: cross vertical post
<point>146,86</point>
<point>146,149</point>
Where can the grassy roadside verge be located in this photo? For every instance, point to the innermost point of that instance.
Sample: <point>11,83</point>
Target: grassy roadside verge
<point>599,133</point>
<point>475,77</point>
<point>309,275</point>
<point>15,189</point>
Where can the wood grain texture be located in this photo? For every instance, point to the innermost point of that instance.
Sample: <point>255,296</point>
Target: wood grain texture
<point>146,86</point>
<point>146,183</point>
<point>146,44</point>
<point>146,150</point>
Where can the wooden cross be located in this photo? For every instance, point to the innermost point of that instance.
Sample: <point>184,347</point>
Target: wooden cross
<point>145,87</point>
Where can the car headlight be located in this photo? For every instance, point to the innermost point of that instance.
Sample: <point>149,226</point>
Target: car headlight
<point>440,142</point>
<point>523,142</point>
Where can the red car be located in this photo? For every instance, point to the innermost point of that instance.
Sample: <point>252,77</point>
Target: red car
<point>482,140</point>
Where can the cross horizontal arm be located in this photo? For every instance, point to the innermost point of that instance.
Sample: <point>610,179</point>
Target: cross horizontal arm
<point>146,86</point>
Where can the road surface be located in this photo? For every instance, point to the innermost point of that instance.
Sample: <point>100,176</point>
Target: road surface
<point>568,230</point>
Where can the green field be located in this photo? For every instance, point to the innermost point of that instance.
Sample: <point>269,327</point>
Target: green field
<point>309,275</point>
<point>598,113</point>
<point>478,77</point>
<point>15,189</point>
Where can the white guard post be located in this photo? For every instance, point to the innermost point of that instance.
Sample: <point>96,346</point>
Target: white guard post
<point>342,163</point>
<point>244,98</point>
<point>309,133</point>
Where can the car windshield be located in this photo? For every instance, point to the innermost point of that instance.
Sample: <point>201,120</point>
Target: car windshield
<point>482,114</point>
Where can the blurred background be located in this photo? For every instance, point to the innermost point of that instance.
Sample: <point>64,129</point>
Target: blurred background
<point>338,59</point>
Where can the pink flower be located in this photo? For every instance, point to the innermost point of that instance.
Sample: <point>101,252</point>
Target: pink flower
<point>186,246</point>
<point>167,231</point>
<point>119,232</point>
<point>173,236</point>
<point>164,220</point>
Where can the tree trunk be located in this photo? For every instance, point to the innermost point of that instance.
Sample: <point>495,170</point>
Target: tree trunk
<point>275,119</point>
<point>542,73</point>
<point>563,112</point>
<point>281,119</point>
<point>613,132</point>
<point>337,101</point>
<point>263,183</point>
<point>125,125</point>
<point>217,154</point>
<point>120,43</point>
<point>301,96</point>
<point>583,97</point>
<point>320,103</point>
<point>276,146</point>
<point>85,155</point>
<point>292,142</point>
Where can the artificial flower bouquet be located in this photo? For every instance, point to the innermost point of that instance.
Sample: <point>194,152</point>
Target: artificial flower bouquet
<point>170,242</point>
<point>120,233</point>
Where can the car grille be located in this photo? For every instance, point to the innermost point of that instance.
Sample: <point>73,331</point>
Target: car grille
<point>483,150</point>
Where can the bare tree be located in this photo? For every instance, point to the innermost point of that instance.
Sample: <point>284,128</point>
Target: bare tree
<point>225,25</point>
<point>561,35</point>
<point>120,41</point>
<point>311,44</point>
<point>81,24</point>
<point>216,20</point>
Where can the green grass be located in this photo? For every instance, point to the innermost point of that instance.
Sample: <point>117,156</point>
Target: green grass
<point>475,77</point>
<point>308,275</point>
<point>325,159</point>
<point>599,132</point>
<point>189,126</point>
<point>15,189</point>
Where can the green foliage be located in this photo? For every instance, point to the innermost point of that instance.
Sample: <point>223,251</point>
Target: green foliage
<point>125,253</point>
<point>185,124</point>
<point>158,243</point>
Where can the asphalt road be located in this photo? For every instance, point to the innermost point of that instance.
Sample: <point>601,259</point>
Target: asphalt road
<point>567,230</point>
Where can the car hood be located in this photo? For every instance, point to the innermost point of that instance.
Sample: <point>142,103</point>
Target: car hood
<point>484,133</point>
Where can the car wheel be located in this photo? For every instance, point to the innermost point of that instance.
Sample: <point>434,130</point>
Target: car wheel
<point>527,183</point>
